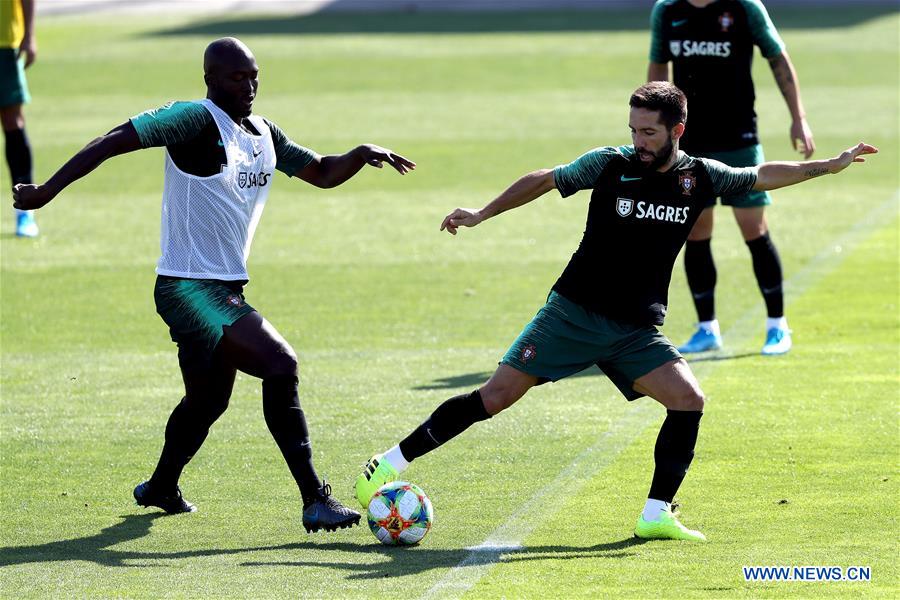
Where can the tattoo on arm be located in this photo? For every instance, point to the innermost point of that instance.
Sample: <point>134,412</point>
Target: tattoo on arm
<point>782,71</point>
<point>816,172</point>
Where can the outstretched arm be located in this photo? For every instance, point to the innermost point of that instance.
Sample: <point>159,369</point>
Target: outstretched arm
<point>774,175</point>
<point>786,78</point>
<point>120,140</point>
<point>524,190</point>
<point>333,170</point>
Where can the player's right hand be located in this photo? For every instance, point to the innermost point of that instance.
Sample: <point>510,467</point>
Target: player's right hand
<point>27,196</point>
<point>461,217</point>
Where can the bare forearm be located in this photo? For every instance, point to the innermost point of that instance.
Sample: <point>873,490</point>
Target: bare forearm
<point>28,17</point>
<point>786,78</point>
<point>118,141</point>
<point>774,175</point>
<point>524,190</point>
<point>658,72</point>
<point>335,169</point>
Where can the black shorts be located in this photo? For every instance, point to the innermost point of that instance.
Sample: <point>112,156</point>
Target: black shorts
<point>196,310</point>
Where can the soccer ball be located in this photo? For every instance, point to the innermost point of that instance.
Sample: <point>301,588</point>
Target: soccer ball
<point>400,514</point>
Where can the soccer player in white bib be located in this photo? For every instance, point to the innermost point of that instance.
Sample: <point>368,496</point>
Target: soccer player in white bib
<point>219,167</point>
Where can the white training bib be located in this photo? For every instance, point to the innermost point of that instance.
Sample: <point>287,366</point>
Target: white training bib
<point>208,222</point>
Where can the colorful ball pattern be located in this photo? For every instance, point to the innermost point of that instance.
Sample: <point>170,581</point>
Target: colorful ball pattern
<point>400,514</point>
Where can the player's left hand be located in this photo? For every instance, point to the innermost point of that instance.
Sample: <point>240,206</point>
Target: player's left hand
<point>376,155</point>
<point>802,138</point>
<point>852,155</point>
<point>28,47</point>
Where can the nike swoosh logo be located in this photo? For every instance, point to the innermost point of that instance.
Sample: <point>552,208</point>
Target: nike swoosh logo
<point>623,178</point>
<point>255,154</point>
<point>221,144</point>
<point>679,23</point>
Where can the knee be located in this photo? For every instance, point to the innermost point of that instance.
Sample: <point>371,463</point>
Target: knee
<point>692,400</point>
<point>497,398</point>
<point>284,363</point>
<point>12,118</point>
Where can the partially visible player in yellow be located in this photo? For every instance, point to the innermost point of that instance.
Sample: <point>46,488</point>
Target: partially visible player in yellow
<point>18,49</point>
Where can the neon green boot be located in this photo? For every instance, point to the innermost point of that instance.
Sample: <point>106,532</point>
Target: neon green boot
<point>376,473</point>
<point>667,527</point>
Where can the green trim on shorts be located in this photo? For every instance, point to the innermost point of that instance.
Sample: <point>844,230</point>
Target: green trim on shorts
<point>742,157</point>
<point>565,338</point>
<point>13,85</point>
<point>196,310</point>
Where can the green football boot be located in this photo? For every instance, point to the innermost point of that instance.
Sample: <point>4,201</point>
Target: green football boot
<point>667,527</point>
<point>376,473</point>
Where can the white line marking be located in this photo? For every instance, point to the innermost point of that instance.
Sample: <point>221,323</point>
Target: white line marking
<point>509,536</point>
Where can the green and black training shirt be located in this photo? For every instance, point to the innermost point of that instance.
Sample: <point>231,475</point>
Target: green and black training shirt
<point>711,50</point>
<point>637,222</point>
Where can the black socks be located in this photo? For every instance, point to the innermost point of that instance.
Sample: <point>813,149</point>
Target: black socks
<point>18,156</point>
<point>701,277</point>
<point>186,430</point>
<point>447,421</point>
<point>286,422</point>
<point>674,452</point>
<point>189,425</point>
<point>767,266</point>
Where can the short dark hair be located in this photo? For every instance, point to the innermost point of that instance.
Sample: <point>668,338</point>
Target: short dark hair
<point>664,97</point>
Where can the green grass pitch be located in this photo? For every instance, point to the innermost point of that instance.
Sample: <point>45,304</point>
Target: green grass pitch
<point>797,458</point>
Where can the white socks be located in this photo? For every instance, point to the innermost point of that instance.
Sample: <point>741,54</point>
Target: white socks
<point>654,508</point>
<point>710,326</point>
<point>777,323</point>
<point>396,459</point>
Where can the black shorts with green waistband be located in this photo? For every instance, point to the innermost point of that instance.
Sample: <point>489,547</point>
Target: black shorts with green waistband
<point>196,310</point>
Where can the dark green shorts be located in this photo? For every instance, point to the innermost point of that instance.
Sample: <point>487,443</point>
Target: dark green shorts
<point>13,87</point>
<point>196,310</point>
<point>564,338</point>
<point>743,157</point>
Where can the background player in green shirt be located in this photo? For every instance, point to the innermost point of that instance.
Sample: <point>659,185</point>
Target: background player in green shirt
<point>18,51</point>
<point>710,44</point>
<point>606,305</point>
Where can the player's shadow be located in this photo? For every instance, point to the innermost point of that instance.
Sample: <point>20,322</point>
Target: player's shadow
<point>93,548</point>
<point>467,380</point>
<point>717,357</point>
<point>413,561</point>
<point>98,548</point>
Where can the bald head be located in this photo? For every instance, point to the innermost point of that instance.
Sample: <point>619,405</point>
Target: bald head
<point>231,75</point>
<point>226,53</point>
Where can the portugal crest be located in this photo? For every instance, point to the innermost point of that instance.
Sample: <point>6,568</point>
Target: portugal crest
<point>675,47</point>
<point>726,21</point>
<point>686,182</point>
<point>624,206</point>
<point>528,353</point>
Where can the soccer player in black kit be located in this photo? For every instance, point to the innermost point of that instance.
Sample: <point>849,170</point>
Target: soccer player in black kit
<point>710,44</point>
<point>605,308</point>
